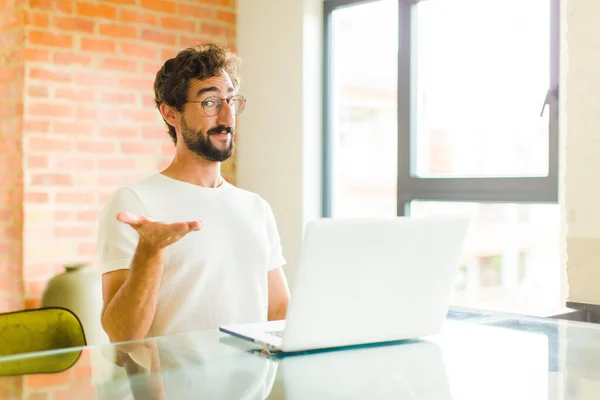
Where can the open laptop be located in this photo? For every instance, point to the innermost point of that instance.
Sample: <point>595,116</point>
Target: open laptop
<point>363,281</point>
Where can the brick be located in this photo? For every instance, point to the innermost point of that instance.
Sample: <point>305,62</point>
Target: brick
<point>33,54</point>
<point>98,45</point>
<point>47,75</point>
<point>34,288</point>
<point>87,249</point>
<point>155,36</point>
<point>119,31</point>
<point>155,132</point>
<point>214,30</point>
<point>9,74</point>
<point>12,129</point>
<point>36,19</point>
<point>11,110</point>
<point>167,54</point>
<point>227,17</point>
<point>51,179</point>
<point>73,232</point>
<point>50,110</point>
<point>118,64</point>
<point>96,147</point>
<point>65,6</point>
<point>84,112</point>
<point>78,95</point>
<point>167,149</point>
<point>9,162</point>
<point>223,3</point>
<point>32,126</point>
<point>96,79</point>
<point>178,24</point>
<point>137,83</point>
<point>48,145</point>
<point>137,17</point>
<point>11,20</point>
<point>119,131</point>
<point>195,11</point>
<point>109,180</point>
<point>37,162</point>
<point>191,41</point>
<point>15,57</point>
<point>81,392</point>
<point>88,215</point>
<point>140,116</point>
<point>36,197</point>
<point>148,101</point>
<point>64,216</point>
<point>75,163</point>
<point>151,68</point>
<point>10,284</point>
<point>159,5</point>
<point>73,24</point>
<point>116,163</point>
<point>74,198</point>
<point>12,39</point>
<point>88,9</point>
<point>129,147</point>
<point>47,380</point>
<point>38,395</point>
<point>50,39</point>
<point>38,91</point>
<point>138,50</point>
<point>31,304</point>
<point>72,128</point>
<point>83,372</point>
<point>124,2</point>
<point>120,98</point>
<point>68,58</point>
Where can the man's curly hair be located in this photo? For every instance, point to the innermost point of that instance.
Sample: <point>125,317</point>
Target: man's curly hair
<point>204,61</point>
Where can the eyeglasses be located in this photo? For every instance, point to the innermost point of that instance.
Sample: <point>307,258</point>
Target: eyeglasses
<point>212,105</point>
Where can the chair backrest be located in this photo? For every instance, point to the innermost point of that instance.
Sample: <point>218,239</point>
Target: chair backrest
<point>38,330</point>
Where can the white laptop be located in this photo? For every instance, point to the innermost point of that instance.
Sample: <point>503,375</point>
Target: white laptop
<point>362,281</point>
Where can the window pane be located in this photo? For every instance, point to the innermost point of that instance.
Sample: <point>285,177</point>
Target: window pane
<point>511,259</point>
<point>364,109</point>
<point>482,69</point>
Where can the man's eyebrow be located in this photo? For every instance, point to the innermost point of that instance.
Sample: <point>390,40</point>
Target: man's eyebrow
<point>206,90</point>
<point>212,89</point>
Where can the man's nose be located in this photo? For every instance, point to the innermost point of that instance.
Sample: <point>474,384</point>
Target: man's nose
<point>225,116</point>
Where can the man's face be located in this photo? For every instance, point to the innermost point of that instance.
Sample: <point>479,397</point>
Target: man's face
<point>210,137</point>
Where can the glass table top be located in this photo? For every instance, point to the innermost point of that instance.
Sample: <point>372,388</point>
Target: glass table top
<point>478,355</point>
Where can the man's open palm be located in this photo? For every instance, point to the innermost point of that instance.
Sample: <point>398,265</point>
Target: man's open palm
<point>155,234</point>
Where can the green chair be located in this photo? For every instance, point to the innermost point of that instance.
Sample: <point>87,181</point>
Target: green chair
<point>38,330</point>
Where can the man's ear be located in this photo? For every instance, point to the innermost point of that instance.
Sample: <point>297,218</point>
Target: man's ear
<point>170,114</point>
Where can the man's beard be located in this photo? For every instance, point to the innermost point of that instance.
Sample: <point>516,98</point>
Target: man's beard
<point>200,143</point>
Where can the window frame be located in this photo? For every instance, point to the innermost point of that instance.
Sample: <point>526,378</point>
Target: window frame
<point>518,189</point>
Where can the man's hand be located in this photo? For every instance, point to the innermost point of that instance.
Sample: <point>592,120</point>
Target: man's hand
<point>130,295</point>
<point>156,235</point>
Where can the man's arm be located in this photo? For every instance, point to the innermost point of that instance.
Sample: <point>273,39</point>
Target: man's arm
<point>279,294</point>
<point>130,295</point>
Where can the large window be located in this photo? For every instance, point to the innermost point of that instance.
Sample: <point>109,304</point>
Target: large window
<point>450,106</point>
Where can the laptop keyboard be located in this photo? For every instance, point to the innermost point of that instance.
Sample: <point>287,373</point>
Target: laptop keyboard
<point>276,333</point>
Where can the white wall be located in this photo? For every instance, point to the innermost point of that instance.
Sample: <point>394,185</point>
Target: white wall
<point>279,133</point>
<point>580,121</point>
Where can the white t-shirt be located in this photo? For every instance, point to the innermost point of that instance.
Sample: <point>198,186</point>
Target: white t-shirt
<point>211,277</point>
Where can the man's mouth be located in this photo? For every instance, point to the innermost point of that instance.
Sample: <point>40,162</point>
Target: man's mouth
<point>220,131</point>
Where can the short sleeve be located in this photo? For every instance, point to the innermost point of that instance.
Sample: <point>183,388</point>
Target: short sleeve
<point>117,241</point>
<point>276,259</point>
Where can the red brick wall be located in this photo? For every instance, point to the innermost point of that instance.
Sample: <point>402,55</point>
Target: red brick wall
<point>11,176</point>
<point>90,124</point>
